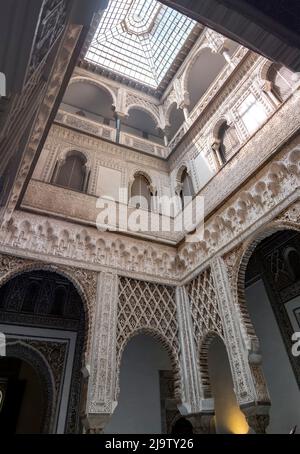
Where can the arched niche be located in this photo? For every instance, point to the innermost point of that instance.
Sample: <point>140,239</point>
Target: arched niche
<point>182,426</point>
<point>269,284</point>
<point>202,73</point>
<point>225,142</point>
<point>142,123</point>
<point>139,407</point>
<point>36,309</point>
<point>283,81</point>
<point>185,187</point>
<point>23,396</point>
<point>89,100</point>
<point>175,119</point>
<point>228,416</point>
<point>72,172</point>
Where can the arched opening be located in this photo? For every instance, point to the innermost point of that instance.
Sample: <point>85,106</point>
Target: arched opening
<point>202,74</point>
<point>226,143</point>
<point>228,416</point>
<point>142,124</point>
<point>182,427</point>
<point>43,318</point>
<point>187,188</point>
<point>282,80</point>
<point>72,172</point>
<point>22,398</point>
<point>90,101</point>
<point>272,293</point>
<point>140,192</point>
<point>176,120</point>
<point>144,401</point>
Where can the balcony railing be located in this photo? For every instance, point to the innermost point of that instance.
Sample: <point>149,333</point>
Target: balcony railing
<point>107,132</point>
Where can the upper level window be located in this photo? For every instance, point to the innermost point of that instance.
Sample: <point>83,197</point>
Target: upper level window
<point>187,188</point>
<point>140,192</point>
<point>282,81</point>
<point>226,143</point>
<point>71,173</point>
<point>252,113</point>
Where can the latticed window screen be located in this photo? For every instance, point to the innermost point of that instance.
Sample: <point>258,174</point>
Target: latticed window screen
<point>205,311</point>
<point>146,306</point>
<point>72,173</point>
<point>282,79</point>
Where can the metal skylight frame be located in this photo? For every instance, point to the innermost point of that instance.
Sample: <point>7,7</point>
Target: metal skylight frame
<point>131,39</point>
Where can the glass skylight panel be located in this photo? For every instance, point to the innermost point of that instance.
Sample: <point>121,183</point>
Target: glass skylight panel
<point>139,39</point>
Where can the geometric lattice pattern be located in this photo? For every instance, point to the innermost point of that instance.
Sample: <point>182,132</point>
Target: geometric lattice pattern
<point>145,306</point>
<point>205,311</point>
<point>131,39</point>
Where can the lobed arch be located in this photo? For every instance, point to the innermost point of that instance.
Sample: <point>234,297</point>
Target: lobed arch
<point>170,107</point>
<point>185,76</point>
<point>96,83</point>
<point>241,268</point>
<point>205,343</point>
<point>69,151</point>
<point>175,120</point>
<point>135,173</point>
<point>165,343</point>
<point>183,167</point>
<point>146,110</point>
<point>263,70</point>
<point>86,304</point>
<point>216,128</point>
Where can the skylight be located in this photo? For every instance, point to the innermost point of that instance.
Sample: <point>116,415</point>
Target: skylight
<point>139,39</point>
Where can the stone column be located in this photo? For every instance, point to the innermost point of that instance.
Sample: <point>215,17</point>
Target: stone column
<point>249,383</point>
<point>101,399</point>
<point>118,127</point>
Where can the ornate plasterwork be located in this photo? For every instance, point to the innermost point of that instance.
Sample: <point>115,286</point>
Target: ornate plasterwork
<point>146,307</point>
<point>55,240</point>
<point>190,373</point>
<point>64,137</point>
<point>249,383</point>
<point>204,306</point>
<point>134,101</point>
<point>83,280</point>
<point>69,41</point>
<point>259,202</point>
<point>236,262</point>
<point>102,395</point>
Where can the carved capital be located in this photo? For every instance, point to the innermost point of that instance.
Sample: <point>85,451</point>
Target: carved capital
<point>203,423</point>
<point>95,423</point>
<point>258,418</point>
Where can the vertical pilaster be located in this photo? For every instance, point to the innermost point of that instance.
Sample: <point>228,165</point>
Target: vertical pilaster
<point>191,385</point>
<point>249,382</point>
<point>102,381</point>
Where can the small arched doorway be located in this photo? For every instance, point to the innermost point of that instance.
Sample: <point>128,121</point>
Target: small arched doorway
<point>22,398</point>
<point>42,317</point>
<point>146,385</point>
<point>182,427</point>
<point>140,194</point>
<point>229,419</point>
<point>272,294</point>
